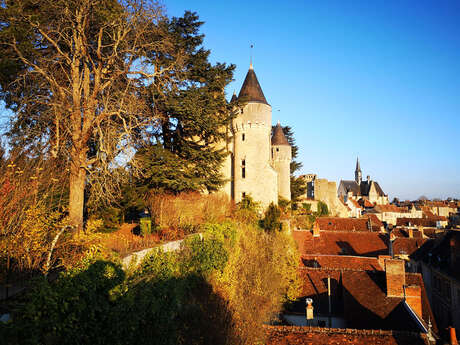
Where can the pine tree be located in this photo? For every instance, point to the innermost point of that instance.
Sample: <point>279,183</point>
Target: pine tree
<point>183,146</point>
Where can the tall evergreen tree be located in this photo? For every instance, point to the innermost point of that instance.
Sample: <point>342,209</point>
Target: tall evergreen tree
<point>184,149</point>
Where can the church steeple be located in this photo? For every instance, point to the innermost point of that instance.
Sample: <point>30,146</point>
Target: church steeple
<point>358,174</point>
<point>251,90</point>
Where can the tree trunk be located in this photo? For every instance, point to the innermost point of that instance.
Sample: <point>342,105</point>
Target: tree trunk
<point>77,194</point>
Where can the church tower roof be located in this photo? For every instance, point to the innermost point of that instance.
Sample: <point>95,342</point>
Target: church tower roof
<point>234,98</point>
<point>358,168</point>
<point>251,90</point>
<point>278,137</point>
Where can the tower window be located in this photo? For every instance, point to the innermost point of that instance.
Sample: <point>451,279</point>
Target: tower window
<point>277,149</point>
<point>244,195</point>
<point>243,168</point>
<point>243,137</point>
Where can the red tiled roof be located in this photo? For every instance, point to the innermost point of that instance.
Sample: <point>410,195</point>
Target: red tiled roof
<point>292,335</point>
<point>390,208</point>
<point>360,296</point>
<point>365,203</point>
<point>407,246</point>
<point>403,232</point>
<point>375,221</point>
<point>427,313</point>
<point>355,203</point>
<point>360,243</point>
<point>342,224</point>
<point>426,222</point>
<point>340,262</point>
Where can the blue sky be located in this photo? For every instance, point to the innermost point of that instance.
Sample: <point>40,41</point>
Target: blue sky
<point>378,79</point>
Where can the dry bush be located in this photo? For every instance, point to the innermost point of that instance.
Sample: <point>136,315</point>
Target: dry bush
<point>124,241</point>
<point>187,211</point>
<point>259,276</point>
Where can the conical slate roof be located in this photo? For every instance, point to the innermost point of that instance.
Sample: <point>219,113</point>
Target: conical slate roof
<point>234,98</point>
<point>358,168</point>
<point>278,137</point>
<point>251,90</point>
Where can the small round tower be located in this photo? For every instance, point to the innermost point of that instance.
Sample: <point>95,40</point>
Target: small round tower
<point>281,158</point>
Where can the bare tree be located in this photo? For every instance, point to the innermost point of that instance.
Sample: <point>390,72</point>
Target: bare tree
<point>76,83</point>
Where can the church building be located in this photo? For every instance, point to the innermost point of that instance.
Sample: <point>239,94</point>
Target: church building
<point>359,189</point>
<point>258,161</point>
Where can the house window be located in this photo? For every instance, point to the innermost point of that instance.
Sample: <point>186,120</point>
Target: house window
<point>243,168</point>
<point>277,149</point>
<point>243,137</point>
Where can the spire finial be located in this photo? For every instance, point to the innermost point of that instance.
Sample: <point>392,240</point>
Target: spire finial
<point>250,58</point>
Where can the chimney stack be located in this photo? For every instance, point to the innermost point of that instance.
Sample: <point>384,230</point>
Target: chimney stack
<point>309,309</point>
<point>395,277</point>
<point>453,336</point>
<point>382,259</point>
<point>414,298</point>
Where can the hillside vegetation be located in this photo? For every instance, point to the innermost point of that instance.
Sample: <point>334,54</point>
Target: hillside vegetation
<point>215,290</point>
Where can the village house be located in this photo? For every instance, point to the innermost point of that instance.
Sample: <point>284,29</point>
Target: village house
<point>439,262</point>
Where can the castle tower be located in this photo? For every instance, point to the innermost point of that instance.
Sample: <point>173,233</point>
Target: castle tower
<point>251,129</point>
<point>358,174</point>
<point>281,160</point>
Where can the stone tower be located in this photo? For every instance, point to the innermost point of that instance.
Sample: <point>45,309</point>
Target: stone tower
<point>358,174</point>
<point>281,160</point>
<point>251,129</point>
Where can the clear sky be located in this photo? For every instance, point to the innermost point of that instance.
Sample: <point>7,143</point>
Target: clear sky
<point>379,79</point>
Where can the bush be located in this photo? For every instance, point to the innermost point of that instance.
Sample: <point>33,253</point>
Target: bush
<point>322,209</point>
<point>215,290</point>
<point>271,221</point>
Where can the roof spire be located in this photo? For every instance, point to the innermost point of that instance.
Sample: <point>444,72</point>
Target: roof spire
<point>251,90</point>
<point>358,168</point>
<point>278,137</point>
<point>250,57</point>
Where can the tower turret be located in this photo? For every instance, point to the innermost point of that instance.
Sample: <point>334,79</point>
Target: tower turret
<point>252,172</point>
<point>358,174</point>
<point>281,160</point>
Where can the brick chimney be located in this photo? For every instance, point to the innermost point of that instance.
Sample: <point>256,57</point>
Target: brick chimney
<point>453,336</point>
<point>414,298</point>
<point>382,259</point>
<point>395,277</point>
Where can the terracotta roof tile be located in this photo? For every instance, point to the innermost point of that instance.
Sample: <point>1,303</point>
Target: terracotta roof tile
<point>291,335</point>
<point>359,243</point>
<point>407,246</point>
<point>342,224</point>
<point>359,296</point>
<point>426,222</point>
<point>340,262</point>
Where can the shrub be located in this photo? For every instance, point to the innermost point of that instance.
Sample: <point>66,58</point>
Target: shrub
<point>271,221</point>
<point>322,209</point>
